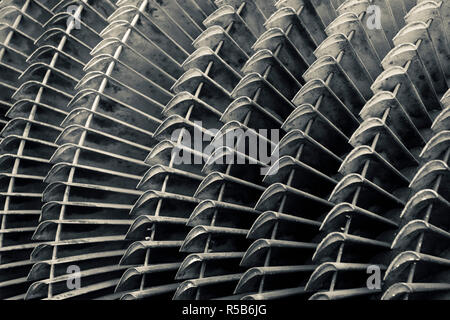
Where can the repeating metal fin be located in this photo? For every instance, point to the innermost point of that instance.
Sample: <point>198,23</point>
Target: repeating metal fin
<point>126,84</point>
<point>423,237</point>
<point>135,124</point>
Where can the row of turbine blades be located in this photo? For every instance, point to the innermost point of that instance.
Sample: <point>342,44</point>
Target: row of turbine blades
<point>98,97</point>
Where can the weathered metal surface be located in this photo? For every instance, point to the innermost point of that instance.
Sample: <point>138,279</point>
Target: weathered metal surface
<point>100,113</point>
<point>56,67</point>
<point>26,145</point>
<point>424,238</point>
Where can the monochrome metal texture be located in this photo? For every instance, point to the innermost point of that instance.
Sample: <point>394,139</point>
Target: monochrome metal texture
<point>227,149</point>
